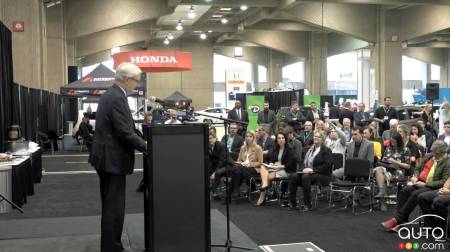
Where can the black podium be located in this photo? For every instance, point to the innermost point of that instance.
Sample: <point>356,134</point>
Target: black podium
<point>176,207</point>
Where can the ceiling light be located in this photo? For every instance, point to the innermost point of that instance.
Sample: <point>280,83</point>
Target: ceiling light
<point>170,36</point>
<point>226,9</point>
<point>166,41</point>
<point>203,36</point>
<point>224,20</point>
<point>179,26</point>
<point>191,13</point>
<point>207,1</point>
<point>209,31</point>
<point>244,7</point>
<point>216,16</point>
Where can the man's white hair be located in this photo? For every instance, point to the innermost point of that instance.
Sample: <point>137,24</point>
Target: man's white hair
<point>393,122</point>
<point>127,70</point>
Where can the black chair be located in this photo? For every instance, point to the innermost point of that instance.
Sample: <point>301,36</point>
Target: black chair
<point>44,140</point>
<point>338,160</point>
<point>358,175</point>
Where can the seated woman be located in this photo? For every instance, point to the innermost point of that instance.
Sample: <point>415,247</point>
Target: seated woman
<point>282,162</point>
<point>318,163</point>
<point>250,158</point>
<point>396,160</point>
<point>430,175</point>
<point>369,134</point>
<point>416,130</point>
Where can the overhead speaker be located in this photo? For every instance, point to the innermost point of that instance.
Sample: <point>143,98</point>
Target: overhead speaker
<point>72,73</point>
<point>432,91</point>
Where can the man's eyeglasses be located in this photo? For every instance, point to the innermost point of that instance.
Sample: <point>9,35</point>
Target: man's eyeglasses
<point>133,78</point>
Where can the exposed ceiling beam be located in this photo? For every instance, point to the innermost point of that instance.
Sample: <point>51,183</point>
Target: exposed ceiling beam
<point>238,43</point>
<point>236,3</point>
<point>381,2</point>
<point>282,25</point>
<point>431,44</point>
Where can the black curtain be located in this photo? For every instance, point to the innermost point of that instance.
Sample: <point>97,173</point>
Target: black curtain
<point>15,109</point>
<point>33,111</point>
<point>24,101</point>
<point>6,79</point>
<point>275,99</point>
<point>43,111</point>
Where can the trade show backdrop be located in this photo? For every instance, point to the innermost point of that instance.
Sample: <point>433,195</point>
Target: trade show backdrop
<point>255,104</point>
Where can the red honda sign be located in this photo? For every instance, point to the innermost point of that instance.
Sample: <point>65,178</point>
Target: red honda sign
<point>156,61</point>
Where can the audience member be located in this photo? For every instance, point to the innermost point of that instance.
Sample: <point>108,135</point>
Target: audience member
<point>393,123</point>
<point>359,148</point>
<point>446,135</point>
<point>263,140</point>
<point>240,115</point>
<point>317,169</point>
<point>384,114</point>
<point>361,118</point>
<point>295,145</point>
<point>346,112</point>
<point>306,136</point>
<point>267,118</point>
<point>369,134</point>
<point>436,202</point>
<point>430,175</point>
<point>427,117</point>
<point>295,117</point>
<point>250,158</point>
<point>172,117</point>
<point>429,137</point>
<point>314,114</point>
<point>233,141</point>
<point>347,129</point>
<point>281,162</point>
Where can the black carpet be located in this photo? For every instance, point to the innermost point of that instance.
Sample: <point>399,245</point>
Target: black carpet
<point>78,195</point>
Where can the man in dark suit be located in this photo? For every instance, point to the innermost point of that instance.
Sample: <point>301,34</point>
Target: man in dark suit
<point>112,153</point>
<point>267,117</point>
<point>361,118</point>
<point>314,114</point>
<point>264,140</point>
<point>217,154</point>
<point>238,114</point>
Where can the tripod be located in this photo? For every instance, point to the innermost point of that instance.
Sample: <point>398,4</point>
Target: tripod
<point>228,243</point>
<point>3,198</point>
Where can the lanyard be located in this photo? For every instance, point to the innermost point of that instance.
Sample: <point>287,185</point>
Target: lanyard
<point>386,112</point>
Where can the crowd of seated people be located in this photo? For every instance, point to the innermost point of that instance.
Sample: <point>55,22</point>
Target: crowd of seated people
<point>300,149</point>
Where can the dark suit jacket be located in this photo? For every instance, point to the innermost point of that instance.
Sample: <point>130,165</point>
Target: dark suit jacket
<point>323,161</point>
<point>310,115</point>
<point>217,158</point>
<point>238,141</point>
<point>295,120</point>
<point>115,138</point>
<point>358,118</point>
<point>271,119</point>
<point>232,114</point>
<point>287,159</point>
<point>85,131</point>
<point>307,141</point>
<point>268,145</point>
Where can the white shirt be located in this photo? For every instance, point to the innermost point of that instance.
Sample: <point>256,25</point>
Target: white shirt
<point>123,90</point>
<point>170,121</point>
<point>447,140</point>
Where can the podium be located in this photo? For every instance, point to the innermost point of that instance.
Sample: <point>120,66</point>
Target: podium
<point>176,198</point>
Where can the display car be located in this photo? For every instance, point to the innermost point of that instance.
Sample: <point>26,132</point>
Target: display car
<point>203,115</point>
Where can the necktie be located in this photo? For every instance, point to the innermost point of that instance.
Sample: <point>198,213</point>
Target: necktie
<point>239,114</point>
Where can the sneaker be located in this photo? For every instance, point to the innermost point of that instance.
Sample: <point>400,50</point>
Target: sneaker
<point>395,229</point>
<point>389,224</point>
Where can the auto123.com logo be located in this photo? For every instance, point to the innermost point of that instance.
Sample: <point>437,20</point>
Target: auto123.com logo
<point>414,235</point>
<point>254,108</point>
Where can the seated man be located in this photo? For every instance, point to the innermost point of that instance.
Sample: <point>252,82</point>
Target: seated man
<point>306,137</point>
<point>233,141</point>
<point>347,129</point>
<point>393,123</point>
<point>294,117</point>
<point>172,117</point>
<point>436,202</point>
<point>446,136</point>
<point>295,145</point>
<point>430,175</point>
<point>264,140</point>
<point>359,148</point>
<point>318,163</point>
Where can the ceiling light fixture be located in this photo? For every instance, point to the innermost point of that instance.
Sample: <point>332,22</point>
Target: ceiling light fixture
<point>170,36</point>
<point>207,1</point>
<point>226,9</point>
<point>179,26</point>
<point>203,36</point>
<point>216,16</point>
<point>166,41</point>
<point>210,31</point>
<point>244,7</point>
<point>224,20</point>
<point>191,13</point>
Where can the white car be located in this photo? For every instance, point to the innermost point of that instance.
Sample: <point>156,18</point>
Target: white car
<point>202,115</point>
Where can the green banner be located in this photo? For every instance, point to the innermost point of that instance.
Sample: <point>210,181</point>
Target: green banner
<point>255,103</point>
<point>307,99</point>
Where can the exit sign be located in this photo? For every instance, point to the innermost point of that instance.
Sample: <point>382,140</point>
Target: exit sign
<point>18,26</point>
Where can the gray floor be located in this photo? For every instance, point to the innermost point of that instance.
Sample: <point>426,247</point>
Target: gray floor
<point>82,234</point>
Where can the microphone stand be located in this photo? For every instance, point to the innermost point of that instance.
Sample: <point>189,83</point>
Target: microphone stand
<point>228,243</point>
